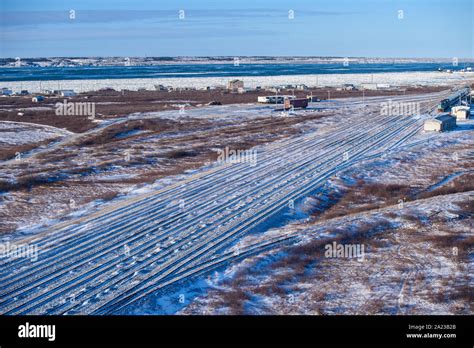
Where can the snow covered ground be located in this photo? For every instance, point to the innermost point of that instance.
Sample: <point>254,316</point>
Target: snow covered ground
<point>394,79</point>
<point>418,253</point>
<point>397,165</point>
<point>19,133</point>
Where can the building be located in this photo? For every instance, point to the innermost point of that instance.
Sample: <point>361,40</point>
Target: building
<point>296,103</point>
<point>64,92</point>
<point>6,91</point>
<point>461,112</point>
<point>375,86</point>
<point>264,99</point>
<point>383,86</point>
<point>302,87</point>
<point>347,87</point>
<point>234,85</point>
<point>371,86</point>
<point>37,99</point>
<point>274,99</point>
<point>67,93</point>
<point>440,124</point>
<point>272,89</point>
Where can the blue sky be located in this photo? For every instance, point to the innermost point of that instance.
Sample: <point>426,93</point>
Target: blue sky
<point>346,28</point>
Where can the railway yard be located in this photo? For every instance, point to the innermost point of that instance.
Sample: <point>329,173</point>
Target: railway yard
<point>191,221</point>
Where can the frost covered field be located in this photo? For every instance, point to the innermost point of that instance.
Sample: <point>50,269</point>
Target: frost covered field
<point>146,194</point>
<point>332,80</point>
<point>58,172</point>
<point>19,133</point>
<point>413,213</point>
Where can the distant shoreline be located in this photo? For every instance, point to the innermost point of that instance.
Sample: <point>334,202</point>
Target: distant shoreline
<point>157,61</point>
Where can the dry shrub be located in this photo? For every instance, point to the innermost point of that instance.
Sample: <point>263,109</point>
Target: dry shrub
<point>463,293</point>
<point>386,191</point>
<point>107,196</point>
<point>414,220</point>
<point>375,306</point>
<point>177,154</point>
<point>6,186</point>
<point>462,183</point>
<point>467,206</point>
<point>235,299</point>
<point>463,243</point>
<point>9,152</point>
<point>361,198</point>
<point>317,296</point>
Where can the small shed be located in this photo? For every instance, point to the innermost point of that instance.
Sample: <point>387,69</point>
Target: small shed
<point>370,86</point>
<point>274,99</point>
<point>461,112</point>
<point>347,87</point>
<point>235,85</point>
<point>66,93</point>
<point>441,123</point>
<point>301,103</point>
<point>37,99</point>
<point>6,91</point>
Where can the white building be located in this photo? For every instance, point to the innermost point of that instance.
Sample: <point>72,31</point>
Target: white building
<point>37,99</point>
<point>235,85</point>
<point>371,86</point>
<point>65,92</point>
<point>375,86</point>
<point>460,112</point>
<point>274,99</point>
<point>6,91</point>
<point>348,87</point>
<point>440,124</point>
